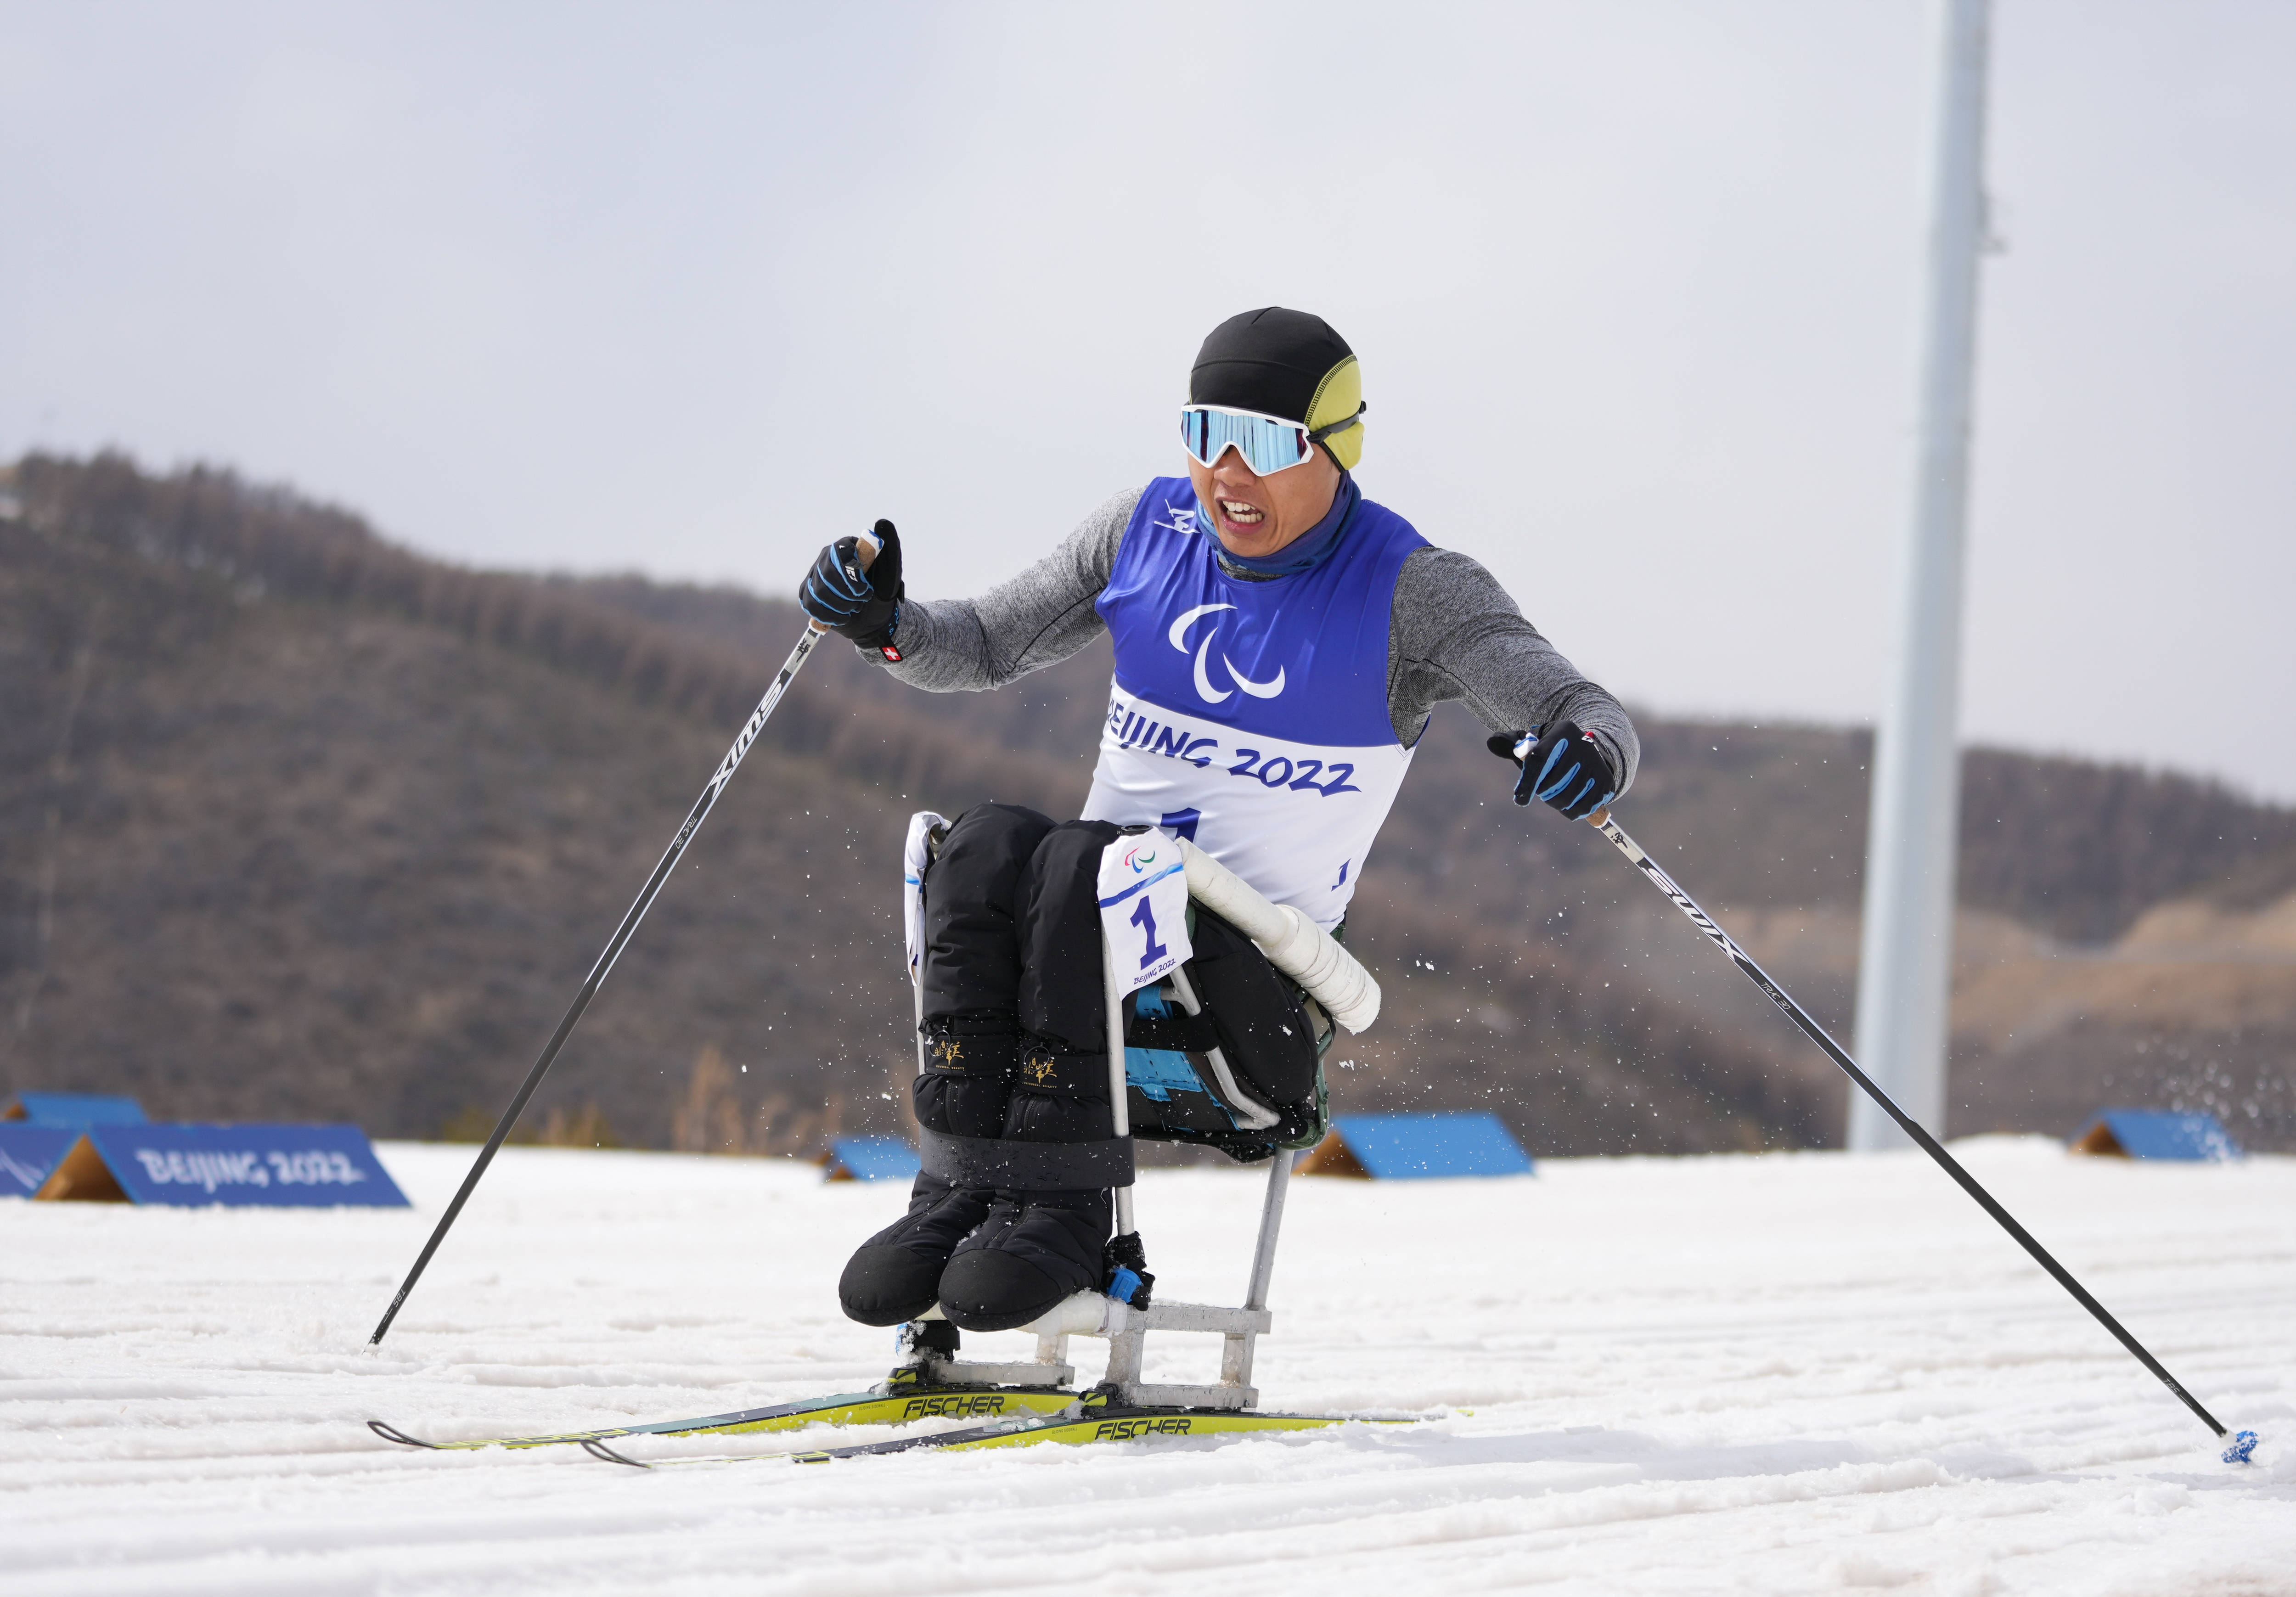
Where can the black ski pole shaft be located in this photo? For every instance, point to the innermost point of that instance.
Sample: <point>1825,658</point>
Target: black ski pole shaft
<point>620,940</point>
<point>1928,1144</point>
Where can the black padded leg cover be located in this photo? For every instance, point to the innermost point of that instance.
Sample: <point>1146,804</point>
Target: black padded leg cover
<point>971,973</point>
<point>1035,1248</point>
<point>972,913</point>
<point>971,982</point>
<point>1059,994</point>
<point>967,1077</point>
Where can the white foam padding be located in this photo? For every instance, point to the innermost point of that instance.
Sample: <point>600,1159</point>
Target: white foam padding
<point>1292,943</point>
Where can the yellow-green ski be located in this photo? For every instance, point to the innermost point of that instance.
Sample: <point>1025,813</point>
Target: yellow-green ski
<point>1091,1420</point>
<point>900,1402</point>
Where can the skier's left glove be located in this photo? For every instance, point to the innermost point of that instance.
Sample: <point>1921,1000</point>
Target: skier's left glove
<point>1562,766</point>
<point>861,605</point>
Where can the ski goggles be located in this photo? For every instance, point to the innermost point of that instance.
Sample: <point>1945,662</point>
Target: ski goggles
<point>1268,444</point>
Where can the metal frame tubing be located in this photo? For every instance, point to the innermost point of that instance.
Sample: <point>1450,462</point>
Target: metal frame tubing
<point>1119,1106</point>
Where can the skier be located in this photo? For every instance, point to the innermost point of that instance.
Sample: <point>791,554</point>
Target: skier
<point>1280,643</point>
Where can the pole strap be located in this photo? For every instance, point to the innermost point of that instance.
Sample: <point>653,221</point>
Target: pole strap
<point>998,1162</point>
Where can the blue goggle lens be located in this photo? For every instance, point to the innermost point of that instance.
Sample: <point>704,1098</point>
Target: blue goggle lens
<point>1266,443</point>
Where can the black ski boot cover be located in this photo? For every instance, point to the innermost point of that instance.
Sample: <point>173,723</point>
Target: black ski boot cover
<point>1033,1250</point>
<point>895,1275</point>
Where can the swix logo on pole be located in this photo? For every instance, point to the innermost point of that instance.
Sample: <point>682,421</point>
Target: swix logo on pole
<point>756,724</point>
<point>1178,638</point>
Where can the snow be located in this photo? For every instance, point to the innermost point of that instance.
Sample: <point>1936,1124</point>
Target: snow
<point>1781,1373</point>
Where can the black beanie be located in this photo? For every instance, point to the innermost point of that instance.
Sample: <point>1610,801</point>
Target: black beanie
<point>1283,362</point>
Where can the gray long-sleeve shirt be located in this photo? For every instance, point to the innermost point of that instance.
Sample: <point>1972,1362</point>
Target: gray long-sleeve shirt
<point>1453,634</point>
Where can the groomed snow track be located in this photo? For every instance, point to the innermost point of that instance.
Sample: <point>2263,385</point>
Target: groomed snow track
<point>1779,1373</point>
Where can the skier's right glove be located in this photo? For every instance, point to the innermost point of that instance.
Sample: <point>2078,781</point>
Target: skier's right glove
<point>861,603</point>
<point>1562,766</point>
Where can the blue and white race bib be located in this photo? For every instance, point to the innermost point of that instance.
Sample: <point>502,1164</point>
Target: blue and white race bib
<point>1143,908</point>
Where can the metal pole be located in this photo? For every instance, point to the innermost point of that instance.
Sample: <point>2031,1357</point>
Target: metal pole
<point>1119,1105</point>
<point>1905,958</point>
<point>807,641</point>
<point>1271,1224</point>
<point>2243,1446</point>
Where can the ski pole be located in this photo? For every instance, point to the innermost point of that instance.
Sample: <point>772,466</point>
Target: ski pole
<point>812,633</point>
<point>2243,1446</point>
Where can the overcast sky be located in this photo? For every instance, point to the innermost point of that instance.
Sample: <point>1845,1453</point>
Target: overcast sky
<point>692,288</point>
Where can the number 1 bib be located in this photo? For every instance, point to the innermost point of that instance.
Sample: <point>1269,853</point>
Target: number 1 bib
<point>1143,908</point>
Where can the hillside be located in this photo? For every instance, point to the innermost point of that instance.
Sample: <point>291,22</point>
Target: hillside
<point>296,823</point>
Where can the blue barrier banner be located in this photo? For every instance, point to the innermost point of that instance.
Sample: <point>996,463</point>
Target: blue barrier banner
<point>1420,1147</point>
<point>75,1109</point>
<point>870,1158</point>
<point>28,1153</point>
<point>271,1167</point>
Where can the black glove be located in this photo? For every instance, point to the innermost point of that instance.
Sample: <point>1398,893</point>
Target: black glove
<point>863,605</point>
<point>1561,765</point>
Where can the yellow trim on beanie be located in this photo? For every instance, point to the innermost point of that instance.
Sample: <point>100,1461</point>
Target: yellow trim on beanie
<point>1338,395</point>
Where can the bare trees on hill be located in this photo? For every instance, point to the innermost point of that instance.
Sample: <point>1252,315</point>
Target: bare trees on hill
<point>335,828</point>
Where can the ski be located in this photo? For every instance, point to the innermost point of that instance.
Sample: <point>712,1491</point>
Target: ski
<point>896,1403</point>
<point>1092,1422</point>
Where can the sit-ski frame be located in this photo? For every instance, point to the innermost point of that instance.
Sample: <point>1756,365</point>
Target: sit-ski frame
<point>1094,1314</point>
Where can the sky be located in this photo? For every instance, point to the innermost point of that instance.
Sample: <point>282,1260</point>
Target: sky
<point>691,289</point>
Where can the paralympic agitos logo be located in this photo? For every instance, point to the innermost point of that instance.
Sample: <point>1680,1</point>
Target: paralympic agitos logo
<point>1178,637</point>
